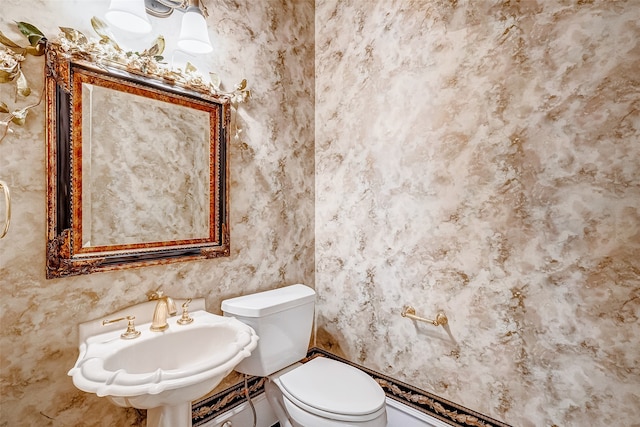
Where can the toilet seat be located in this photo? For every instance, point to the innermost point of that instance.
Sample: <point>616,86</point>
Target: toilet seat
<point>333,390</point>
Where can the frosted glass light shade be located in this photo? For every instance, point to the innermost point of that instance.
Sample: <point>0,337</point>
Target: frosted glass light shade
<point>194,36</point>
<point>128,15</point>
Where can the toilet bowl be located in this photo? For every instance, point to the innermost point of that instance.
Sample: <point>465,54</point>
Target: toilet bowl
<point>319,393</point>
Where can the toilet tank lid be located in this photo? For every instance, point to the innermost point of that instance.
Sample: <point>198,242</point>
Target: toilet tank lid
<point>269,302</point>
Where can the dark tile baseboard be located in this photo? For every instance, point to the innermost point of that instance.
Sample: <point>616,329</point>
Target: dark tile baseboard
<point>209,408</point>
<point>430,404</point>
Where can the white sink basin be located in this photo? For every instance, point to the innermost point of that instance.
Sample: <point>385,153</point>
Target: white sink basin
<point>162,371</point>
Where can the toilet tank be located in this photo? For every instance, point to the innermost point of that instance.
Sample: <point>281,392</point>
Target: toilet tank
<point>282,318</point>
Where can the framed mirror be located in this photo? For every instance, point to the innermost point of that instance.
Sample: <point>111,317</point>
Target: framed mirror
<point>137,169</point>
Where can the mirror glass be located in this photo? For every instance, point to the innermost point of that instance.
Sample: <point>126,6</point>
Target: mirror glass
<point>131,147</point>
<point>136,170</point>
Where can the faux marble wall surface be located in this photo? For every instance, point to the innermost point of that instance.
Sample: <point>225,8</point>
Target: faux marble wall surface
<point>476,157</point>
<point>271,206</point>
<point>483,158</point>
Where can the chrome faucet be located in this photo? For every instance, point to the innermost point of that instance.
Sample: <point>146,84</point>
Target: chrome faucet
<point>164,308</point>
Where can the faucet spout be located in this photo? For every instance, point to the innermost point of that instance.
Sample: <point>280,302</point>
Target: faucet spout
<point>164,308</point>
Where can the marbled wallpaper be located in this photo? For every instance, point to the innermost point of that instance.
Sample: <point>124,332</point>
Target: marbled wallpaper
<point>270,43</point>
<point>483,158</point>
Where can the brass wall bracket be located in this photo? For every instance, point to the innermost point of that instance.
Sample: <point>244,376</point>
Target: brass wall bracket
<point>7,208</point>
<point>410,312</point>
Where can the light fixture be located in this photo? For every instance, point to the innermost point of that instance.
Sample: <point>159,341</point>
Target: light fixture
<point>194,36</point>
<point>130,15</point>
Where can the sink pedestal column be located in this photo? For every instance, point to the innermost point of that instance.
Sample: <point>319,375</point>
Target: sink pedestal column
<point>170,416</point>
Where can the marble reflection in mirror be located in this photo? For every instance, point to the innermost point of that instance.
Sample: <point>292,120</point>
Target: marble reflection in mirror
<point>145,169</point>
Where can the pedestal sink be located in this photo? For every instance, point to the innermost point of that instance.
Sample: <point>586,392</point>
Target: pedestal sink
<point>162,372</point>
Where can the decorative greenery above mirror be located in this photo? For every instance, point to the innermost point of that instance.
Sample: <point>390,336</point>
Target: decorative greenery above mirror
<point>136,159</point>
<point>11,57</point>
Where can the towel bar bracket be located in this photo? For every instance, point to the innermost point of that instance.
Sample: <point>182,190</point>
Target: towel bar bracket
<point>7,209</point>
<point>410,312</point>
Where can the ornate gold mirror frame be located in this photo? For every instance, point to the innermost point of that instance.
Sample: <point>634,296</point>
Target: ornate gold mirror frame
<point>137,170</point>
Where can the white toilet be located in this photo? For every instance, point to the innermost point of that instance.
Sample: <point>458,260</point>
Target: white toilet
<point>320,393</point>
